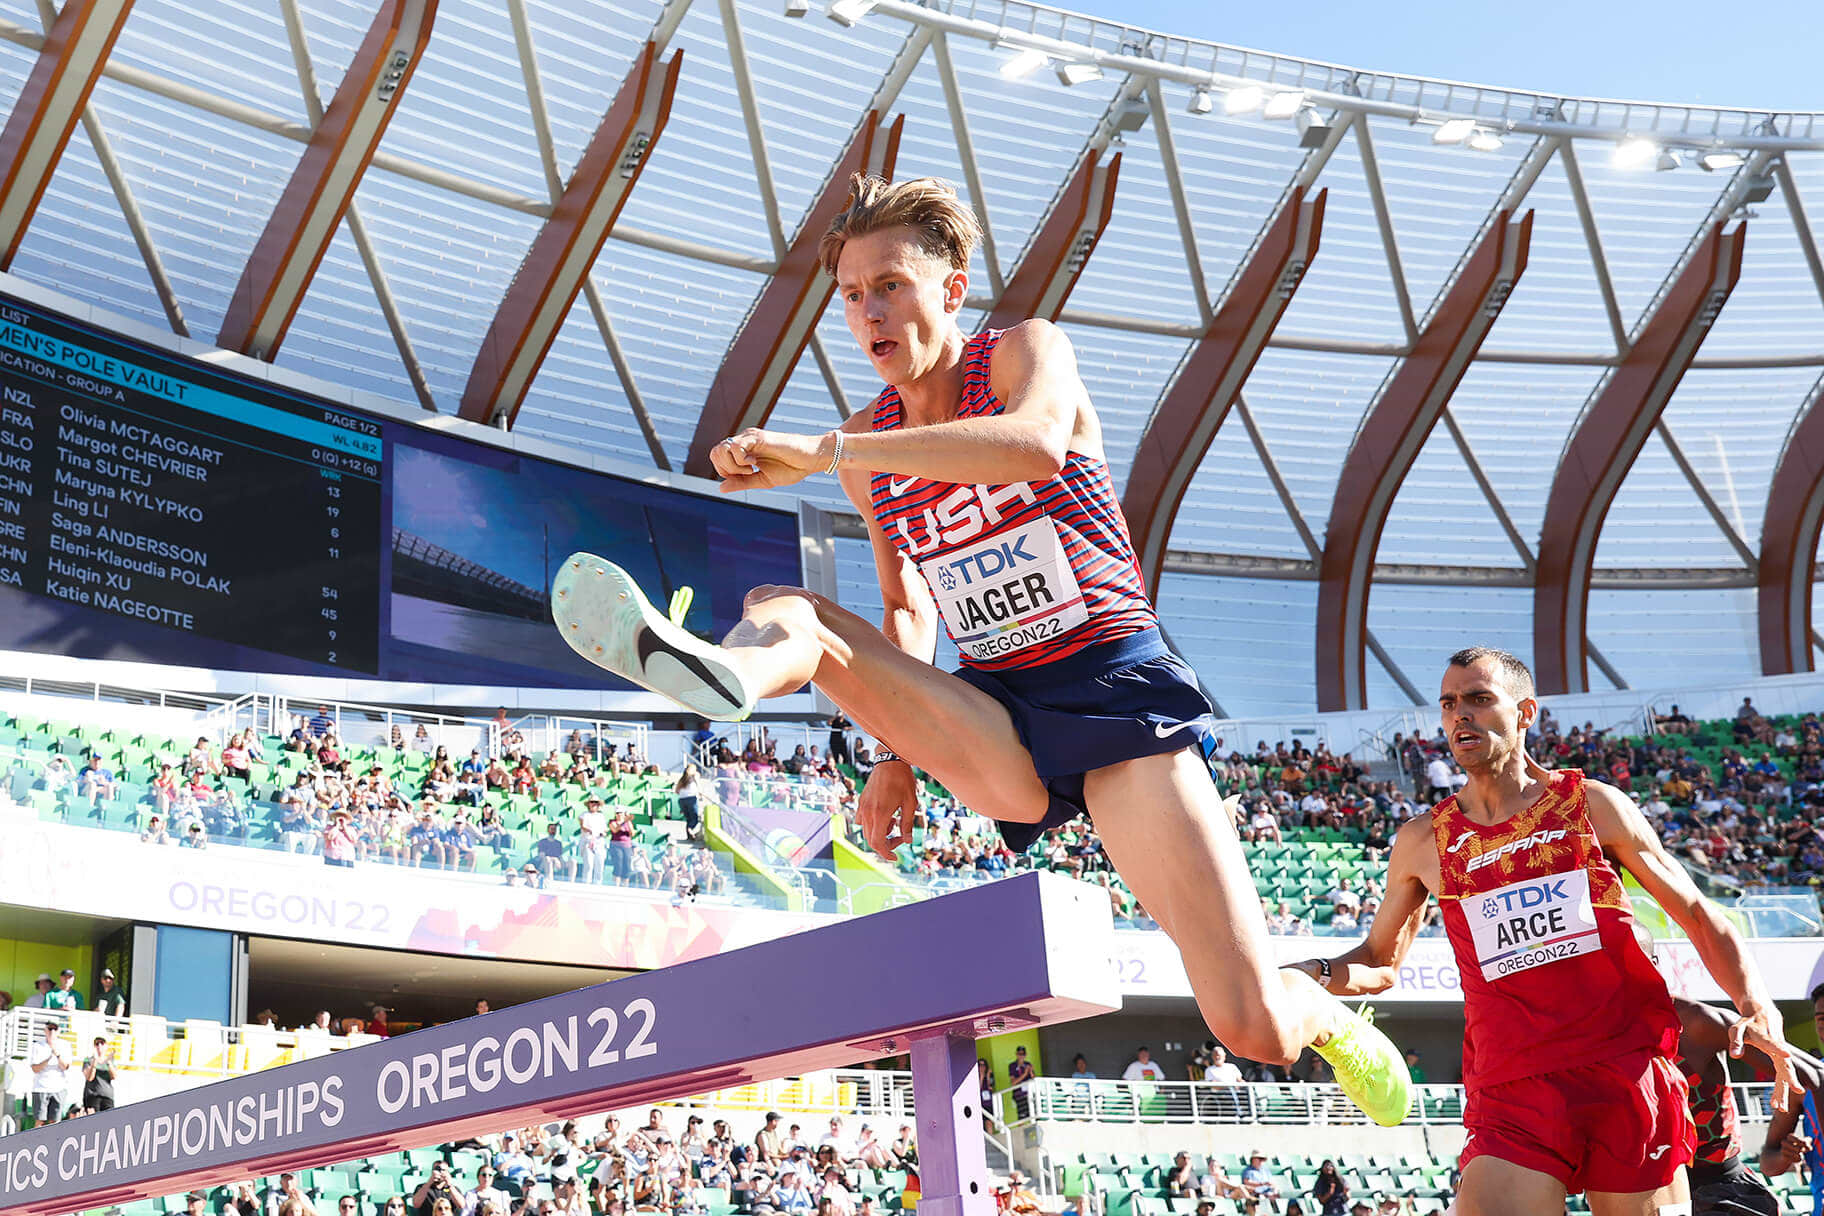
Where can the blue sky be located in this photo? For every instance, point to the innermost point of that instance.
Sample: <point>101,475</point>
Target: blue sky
<point>1764,56</point>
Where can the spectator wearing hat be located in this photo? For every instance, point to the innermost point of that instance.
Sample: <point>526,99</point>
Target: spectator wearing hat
<point>1255,1178</point>
<point>64,996</point>
<point>377,1023</point>
<point>532,875</point>
<point>592,842</point>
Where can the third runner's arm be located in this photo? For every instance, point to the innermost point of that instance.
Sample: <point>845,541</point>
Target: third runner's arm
<point>1045,416</point>
<point>909,621</point>
<point>1629,841</point>
<point>1374,964</point>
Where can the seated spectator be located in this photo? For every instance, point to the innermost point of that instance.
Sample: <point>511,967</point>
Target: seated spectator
<point>424,839</point>
<point>195,838</point>
<point>1217,1184</point>
<point>459,843</point>
<point>57,776</point>
<point>1180,1181</point>
<point>96,781</point>
<point>1256,1179</point>
<point>1263,824</point>
<point>236,761</point>
<point>155,832</point>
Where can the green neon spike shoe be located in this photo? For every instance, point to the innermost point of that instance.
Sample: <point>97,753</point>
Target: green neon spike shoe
<point>1369,1068</point>
<point>603,615</point>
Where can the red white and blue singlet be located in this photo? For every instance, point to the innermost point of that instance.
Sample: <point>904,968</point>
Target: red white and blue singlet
<point>1024,573</point>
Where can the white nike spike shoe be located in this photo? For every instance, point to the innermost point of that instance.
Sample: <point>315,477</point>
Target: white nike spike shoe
<point>603,615</point>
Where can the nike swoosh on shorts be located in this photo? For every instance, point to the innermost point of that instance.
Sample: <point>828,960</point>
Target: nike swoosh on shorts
<point>1162,729</point>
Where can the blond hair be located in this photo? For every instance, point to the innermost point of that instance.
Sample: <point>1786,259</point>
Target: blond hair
<point>947,229</point>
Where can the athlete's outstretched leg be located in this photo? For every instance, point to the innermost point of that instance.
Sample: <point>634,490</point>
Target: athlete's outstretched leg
<point>788,637</point>
<point>1170,837</point>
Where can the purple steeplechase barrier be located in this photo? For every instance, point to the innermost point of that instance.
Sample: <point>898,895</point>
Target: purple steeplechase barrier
<point>928,979</point>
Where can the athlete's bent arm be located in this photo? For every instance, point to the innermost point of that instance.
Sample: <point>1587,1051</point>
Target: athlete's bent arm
<point>1044,403</point>
<point>1374,964</point>
<point>1629,840</point>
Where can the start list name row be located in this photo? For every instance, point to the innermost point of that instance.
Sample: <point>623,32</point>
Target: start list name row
<point>135,433</point>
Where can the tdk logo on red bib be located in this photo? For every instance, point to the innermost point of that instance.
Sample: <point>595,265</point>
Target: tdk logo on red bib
<point>1518,899</point>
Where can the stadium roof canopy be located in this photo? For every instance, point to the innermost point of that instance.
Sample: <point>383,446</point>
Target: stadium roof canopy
<point>1439,393</point>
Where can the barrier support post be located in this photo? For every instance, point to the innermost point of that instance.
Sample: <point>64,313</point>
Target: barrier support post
<point>952,1162</point>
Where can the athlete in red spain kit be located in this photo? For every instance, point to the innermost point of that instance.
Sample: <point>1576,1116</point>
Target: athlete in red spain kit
<point>1570,1033</point>
<point>980,472</point>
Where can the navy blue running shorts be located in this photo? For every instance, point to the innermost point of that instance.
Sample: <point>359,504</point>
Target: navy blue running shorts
<point>1117,701</point>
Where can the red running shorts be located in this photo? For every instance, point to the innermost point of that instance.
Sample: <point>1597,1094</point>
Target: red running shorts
<point>1621,1126</point>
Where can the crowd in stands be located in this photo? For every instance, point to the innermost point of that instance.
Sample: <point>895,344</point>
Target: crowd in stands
<point>434,811</point>
<point>1726,796</point>
<point>563,1170</point>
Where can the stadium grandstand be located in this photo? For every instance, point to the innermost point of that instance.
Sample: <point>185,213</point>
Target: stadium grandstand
<point>328,329</point>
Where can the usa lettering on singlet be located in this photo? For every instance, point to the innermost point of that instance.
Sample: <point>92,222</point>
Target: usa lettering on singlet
<point>1543,936</point>
<point>1022,573</point>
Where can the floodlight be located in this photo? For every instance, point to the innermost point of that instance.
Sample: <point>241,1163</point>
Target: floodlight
<point>1667,160</point>
<point>1454,132</point>
<point>1283,105</point>
<point>797,8</point>
<point>848,12</point>
<point>1484,141</point>
<point>1313,128</point>
<point>1634,153</point>
<point>1710,162</point>
<point>1244,99</point>
<point>1200,102</point>
<point>1078,73</point>
<point>1024,64</point>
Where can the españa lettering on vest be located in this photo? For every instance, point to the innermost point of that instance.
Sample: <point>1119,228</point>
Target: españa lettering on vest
<point>1531,923</point>
<point>1007,591</point>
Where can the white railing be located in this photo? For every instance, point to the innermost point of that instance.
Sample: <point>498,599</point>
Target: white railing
<point>1061,1099</point>
<point>203,1049</point>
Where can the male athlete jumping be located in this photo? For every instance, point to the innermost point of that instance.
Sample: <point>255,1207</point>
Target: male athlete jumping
<point>1570,1031</point>
<point>979,469</point>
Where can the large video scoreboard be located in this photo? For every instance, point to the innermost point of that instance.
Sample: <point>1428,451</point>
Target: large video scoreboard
<point>161,508</point>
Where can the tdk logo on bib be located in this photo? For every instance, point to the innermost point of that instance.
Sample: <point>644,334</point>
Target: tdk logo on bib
<point>984,564</point>
<point>1532,922</point>
<point>1007,592</point>
<point>1527,895</point>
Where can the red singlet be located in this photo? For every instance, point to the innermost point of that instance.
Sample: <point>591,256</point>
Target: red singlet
<point>1544,940</point>
<point>1023,573</point>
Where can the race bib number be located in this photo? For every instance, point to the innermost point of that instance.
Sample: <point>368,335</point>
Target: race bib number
<point>1531,923</point>
<point>1007,592</point>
